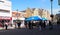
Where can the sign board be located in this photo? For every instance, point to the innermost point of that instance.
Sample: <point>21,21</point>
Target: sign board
<point>5,18</point>
<point>58,2</point>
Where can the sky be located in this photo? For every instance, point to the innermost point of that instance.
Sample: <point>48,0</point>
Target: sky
<point>44,4</point>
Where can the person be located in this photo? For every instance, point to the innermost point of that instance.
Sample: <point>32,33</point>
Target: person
<point>15,24</point>
<point>19,23</point>
<point>50,25</point>
<point>40,25</point>
<point>44,25</point>
<point>32,24</point>
<point>25,24</point>
<point>29,25</point>
<point>1,24</point>
<point>6,25</point>
<point>58,22</point>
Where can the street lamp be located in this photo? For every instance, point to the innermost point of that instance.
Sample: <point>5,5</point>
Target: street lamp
<point>17,14</point>
<point>51,11</point>
<point>51,6</point>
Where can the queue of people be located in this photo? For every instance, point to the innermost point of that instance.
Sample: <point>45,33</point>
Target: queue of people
<point>40,24</point>
<point>31,24</point>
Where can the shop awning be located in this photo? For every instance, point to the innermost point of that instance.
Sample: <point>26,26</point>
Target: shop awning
<point>5,18</point>
<point>35,18</point>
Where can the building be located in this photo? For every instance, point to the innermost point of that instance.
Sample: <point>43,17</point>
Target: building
<point>38,12</point>
<point>57,17</point>
<point>21,15</point>
<point>28,12</point>
<point>5,11</point>
<point>17,15</point>
<point>32,12</point>
<point>46,14</point>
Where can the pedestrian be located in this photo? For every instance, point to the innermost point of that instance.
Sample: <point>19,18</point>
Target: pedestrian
<point>50,25</point>
<point>15,24</point>
<point>29,24</point>
<point>25,24</point>
<point>6,25</point>
<point>32,24</point>
<point>19,23</point>
<point>40,22</point>
<point>44,25</point>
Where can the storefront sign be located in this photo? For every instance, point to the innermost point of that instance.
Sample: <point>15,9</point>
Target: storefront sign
<point>6,18</point>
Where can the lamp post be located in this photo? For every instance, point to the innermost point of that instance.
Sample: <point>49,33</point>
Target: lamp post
<point>51,7</point>
<point>51,11</point>
<point>17,14</point>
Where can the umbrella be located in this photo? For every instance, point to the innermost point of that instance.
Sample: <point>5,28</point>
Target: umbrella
<point>35,18</point>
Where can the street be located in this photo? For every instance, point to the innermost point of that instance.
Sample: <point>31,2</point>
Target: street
<point>35,31</point>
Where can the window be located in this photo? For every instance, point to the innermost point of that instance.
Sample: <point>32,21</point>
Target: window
<point>7,11</point>
<point>1,1</point>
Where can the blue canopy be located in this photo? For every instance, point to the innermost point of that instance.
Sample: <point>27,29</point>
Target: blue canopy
<point>44,18</point>
<point>35,18</point>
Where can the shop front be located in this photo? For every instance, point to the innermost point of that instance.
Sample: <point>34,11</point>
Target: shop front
<point>15,22</point>
<point>4,19</point>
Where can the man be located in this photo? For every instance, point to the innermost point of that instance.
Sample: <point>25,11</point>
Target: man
<point>6,25</point>
<point>19,23</point>
<point>50,25</point>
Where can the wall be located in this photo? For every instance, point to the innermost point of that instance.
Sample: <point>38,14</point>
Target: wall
<point>5,6</point>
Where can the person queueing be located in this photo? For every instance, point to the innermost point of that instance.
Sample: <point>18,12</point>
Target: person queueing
<point>43,25</point>
<point>25,24</point>
<point>50,25</point>
<point>40,25</point>
<point>29,25</point>
<point>19,23</point>
<point>32,24</point>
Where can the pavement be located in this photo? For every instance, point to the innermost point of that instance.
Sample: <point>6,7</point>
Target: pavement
<point>1,28</point>
<point>9,27</point>
<point>34,31</point>
<point>26,31</point>
<point>13,27</point>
